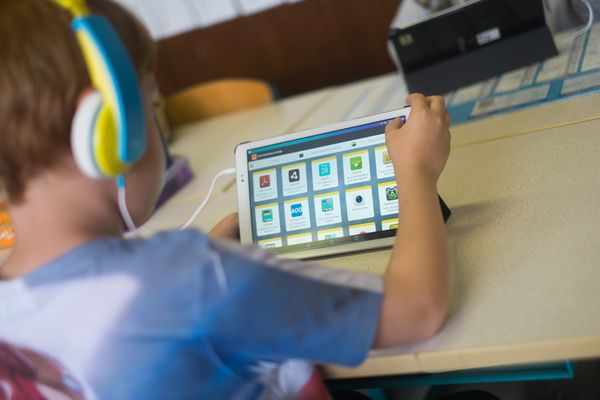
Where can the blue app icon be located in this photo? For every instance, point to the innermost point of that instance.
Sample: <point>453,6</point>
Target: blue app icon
<point>324,169</point>
<point>296,210</point>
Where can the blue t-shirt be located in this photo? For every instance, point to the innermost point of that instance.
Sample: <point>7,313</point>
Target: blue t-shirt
<point>181,316</point>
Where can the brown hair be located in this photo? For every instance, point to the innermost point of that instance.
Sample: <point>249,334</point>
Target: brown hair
<point>42,74</point>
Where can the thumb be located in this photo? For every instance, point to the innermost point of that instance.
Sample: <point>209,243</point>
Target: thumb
<point>397,123</point>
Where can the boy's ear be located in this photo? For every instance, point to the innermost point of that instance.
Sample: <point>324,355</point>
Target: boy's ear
<point>84,94</point>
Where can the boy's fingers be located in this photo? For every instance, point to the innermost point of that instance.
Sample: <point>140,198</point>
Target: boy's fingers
<point>437,103</point>
<point>228,227</point>
<point>416,100</point>
<point>396,123</point>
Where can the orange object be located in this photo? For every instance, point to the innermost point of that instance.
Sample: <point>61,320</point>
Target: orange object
<point>7,232</point>
<point>216,98</point>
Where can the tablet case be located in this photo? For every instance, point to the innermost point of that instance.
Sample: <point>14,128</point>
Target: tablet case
<point>471,43</point>
<point>445,210</point>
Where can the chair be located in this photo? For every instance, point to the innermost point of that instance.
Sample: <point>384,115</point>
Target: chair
<point>216,98</point>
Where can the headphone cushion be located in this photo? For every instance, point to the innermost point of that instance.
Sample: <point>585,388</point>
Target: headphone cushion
<point>82,134</point>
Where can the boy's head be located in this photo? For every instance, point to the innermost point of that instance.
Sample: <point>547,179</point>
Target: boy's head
<point>43,77</point>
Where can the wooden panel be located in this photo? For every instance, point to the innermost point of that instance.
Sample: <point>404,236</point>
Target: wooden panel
<point>298,47</point>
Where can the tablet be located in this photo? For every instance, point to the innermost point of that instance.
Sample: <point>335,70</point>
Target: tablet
<point>322,191</point>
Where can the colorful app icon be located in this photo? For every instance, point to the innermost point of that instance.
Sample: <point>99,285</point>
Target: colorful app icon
<point>391,193</point>
<point>267,215</point>
<point>294,175</point>
<point>356,163</point>
<point>325,169</point>
<point>386,157</point>
<point>296,210</point>
<point>264,181</point>
<point>359,200</point>
<point>253,157</point>
<point>327,204</point>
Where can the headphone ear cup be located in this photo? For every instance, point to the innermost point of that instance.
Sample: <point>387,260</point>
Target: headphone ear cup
<point>82,134</point>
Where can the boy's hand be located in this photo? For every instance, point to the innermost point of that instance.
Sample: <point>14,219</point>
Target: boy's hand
<point>228,228</point>
<point>422,144</point>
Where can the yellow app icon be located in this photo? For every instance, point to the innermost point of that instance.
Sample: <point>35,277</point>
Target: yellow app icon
<point>386,157</point>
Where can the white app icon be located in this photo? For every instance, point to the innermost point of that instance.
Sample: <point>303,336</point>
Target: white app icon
<point>359,203</point>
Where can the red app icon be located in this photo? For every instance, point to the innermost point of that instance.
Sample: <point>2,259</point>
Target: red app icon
<point>264,181</point>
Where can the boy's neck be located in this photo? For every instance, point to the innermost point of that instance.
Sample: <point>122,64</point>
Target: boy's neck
<point>60,211</point>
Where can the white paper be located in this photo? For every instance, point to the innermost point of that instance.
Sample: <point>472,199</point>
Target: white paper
<point>516,79</point>
<point>507,101</point>
<point>254,6</point>
<point>468,93</point>
<point>591,59</point>
<point>214,11</point>
<point>173,16</point>
<point>580,83</point>
<point>166,18</point>
<point>554,68</point>
<point>511,80</point>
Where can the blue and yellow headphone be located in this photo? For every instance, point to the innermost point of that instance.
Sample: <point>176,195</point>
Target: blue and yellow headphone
<point>108,133</point>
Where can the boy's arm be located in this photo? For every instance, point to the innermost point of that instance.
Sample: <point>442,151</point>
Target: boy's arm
<point>417,280</point>
<point>227,228</point>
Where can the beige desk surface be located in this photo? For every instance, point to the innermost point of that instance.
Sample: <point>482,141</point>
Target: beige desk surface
<point>525,247</point>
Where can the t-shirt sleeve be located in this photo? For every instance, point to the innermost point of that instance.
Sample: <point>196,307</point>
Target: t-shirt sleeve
<point>259,307</point>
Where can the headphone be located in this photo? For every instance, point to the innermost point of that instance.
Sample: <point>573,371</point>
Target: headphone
<point>108,133</point>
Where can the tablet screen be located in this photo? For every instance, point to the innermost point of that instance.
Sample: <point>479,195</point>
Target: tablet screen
<point>325,190</point>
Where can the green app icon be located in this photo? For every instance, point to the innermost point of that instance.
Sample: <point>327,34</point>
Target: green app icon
<point>356,163</point>
<point>391,193</point>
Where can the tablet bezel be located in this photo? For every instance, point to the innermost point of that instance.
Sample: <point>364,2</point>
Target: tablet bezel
<point>243,189</point>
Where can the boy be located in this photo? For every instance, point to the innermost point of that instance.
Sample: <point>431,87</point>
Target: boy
<point>182,314</point>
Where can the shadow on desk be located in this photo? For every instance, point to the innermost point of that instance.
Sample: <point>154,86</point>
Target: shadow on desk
<point>467,226</point>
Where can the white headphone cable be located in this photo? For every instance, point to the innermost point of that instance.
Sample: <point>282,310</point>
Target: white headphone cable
<point>122,199</point>
<point>587,26</point>
<point>225,172</point>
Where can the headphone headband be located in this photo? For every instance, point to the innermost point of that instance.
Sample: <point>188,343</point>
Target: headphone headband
<point>78,8</point>
<point>118,128</point>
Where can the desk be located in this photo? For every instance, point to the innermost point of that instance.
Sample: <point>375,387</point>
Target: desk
<point>524,242</point>
<point>524,236</point>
